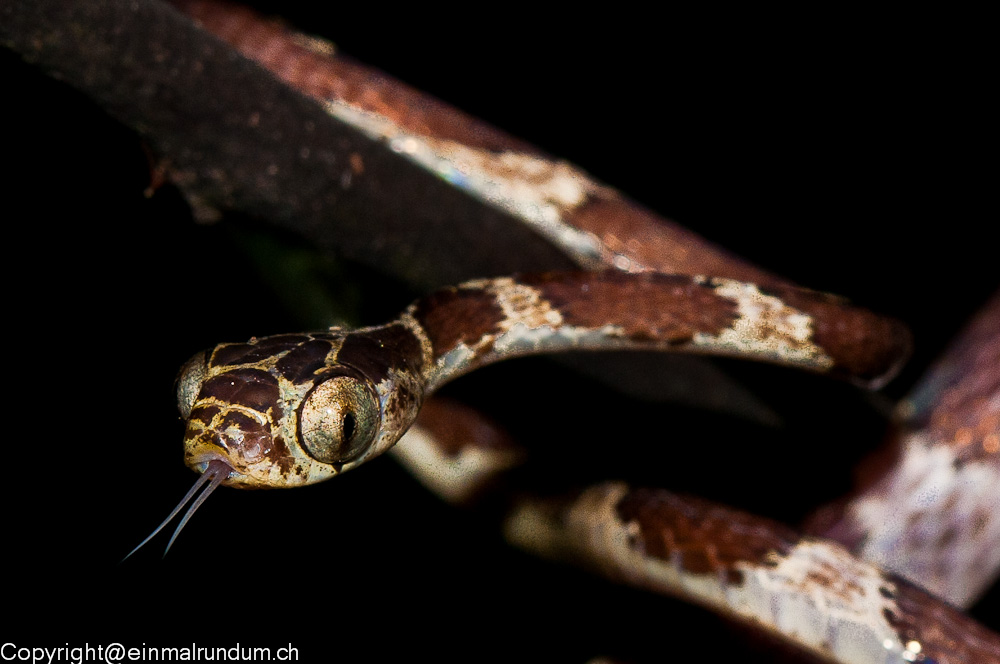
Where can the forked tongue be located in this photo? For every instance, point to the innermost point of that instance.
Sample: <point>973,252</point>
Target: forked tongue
<point>214,474</point>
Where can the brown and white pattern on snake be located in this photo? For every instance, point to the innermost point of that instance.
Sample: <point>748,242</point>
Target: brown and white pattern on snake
<point>812,592</point>
<point>932,517</point>
<point>736,318</point>
<point>536,189</point>
<point>766,326</point>
<point>501,171</point>
<point>456,451</point>
<point>932,521</point>
<point>455,477</point>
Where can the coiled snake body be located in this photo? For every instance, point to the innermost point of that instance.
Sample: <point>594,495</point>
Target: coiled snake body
<point>298,408</point>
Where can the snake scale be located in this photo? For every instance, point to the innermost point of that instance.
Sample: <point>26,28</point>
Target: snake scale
<point>640,500</point>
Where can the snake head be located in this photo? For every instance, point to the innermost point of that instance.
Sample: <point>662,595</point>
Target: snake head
<point>293,409</point>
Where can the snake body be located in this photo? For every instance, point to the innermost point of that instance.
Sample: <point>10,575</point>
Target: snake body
<point>812,592</point>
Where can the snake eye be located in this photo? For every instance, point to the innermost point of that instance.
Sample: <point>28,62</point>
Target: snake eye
<point>189,381</point>
<point>338,419</point>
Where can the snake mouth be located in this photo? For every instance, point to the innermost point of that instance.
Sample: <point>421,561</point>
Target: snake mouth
<point>205,455</point>
<point>203,459</point>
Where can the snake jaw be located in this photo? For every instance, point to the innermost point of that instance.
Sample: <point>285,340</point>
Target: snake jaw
<point>201,459</point>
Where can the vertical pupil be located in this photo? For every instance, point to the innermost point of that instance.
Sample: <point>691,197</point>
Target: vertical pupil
<point>350,424</point>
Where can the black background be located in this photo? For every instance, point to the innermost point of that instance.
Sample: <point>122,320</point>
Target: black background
<point>843,153</point>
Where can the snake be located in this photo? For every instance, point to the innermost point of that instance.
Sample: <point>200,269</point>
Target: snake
<point>928,634</point>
